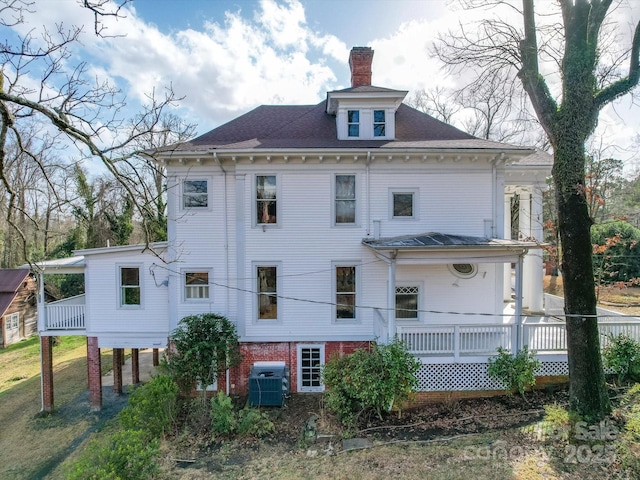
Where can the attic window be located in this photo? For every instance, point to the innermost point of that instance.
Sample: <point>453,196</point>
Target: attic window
<point>463,270</point>
<point>353,122</point>
<point>378,123</point>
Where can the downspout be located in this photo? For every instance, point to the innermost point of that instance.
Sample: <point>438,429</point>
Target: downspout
<point>226,250</point>
<point>42,320</point>
<point>391,294</point>
<point>518,310</point>
<point>368,193</point>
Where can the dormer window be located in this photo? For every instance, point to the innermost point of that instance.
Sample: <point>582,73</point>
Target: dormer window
<point>378,123</point>
<point>353,122</point>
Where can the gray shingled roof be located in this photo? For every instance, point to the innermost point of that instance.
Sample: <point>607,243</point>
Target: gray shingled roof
<point>309,126</point>
<point>435,240</point>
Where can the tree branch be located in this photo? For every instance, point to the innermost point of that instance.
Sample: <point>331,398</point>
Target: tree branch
<point>626,84</point>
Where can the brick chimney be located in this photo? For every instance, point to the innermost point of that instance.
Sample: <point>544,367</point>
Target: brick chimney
<point>360,60</point>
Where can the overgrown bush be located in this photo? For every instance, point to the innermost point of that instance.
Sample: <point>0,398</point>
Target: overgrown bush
<point>516,372</point>
<point>227,421</point>
<point>203,346</point>
<point>124,454</point>
<point>616,252</point>
<point>622,356</point>
<point>152,407</point>
<point>373,380</point>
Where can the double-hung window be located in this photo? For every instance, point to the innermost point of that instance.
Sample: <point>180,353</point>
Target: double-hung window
<point>266,199</point>
<point>195,194</point>
<point>407,302</point>
<point>345,199</point>
<point>379,123</point>
<point>346,284</point>
<point>267,288</point>
<point>353,123</point>
<point>12,322</point>
<point>196,285</point>
<point>130,286</point>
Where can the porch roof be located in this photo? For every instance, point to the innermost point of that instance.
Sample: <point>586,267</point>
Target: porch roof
<point>74,264</point>
<point>448,247</point>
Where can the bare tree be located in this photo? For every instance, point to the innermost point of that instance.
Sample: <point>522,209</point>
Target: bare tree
<point>74,109</point>
<point>591,74</point>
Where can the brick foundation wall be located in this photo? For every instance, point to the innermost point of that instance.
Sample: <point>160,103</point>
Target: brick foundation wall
<point>278,351</point>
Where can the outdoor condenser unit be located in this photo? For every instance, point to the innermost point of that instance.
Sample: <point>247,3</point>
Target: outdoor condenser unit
<point>268,384</point>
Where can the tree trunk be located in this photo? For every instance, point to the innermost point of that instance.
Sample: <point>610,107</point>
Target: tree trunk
<point>587,389</point>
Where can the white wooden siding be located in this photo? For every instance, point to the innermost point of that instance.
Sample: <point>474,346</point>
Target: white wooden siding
<point>104,315</point>
<point>454,199</point>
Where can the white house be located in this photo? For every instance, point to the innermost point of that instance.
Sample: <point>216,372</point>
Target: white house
<point>320,228</point>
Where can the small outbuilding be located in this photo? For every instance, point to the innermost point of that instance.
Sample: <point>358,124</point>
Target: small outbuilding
<point>18,305</point>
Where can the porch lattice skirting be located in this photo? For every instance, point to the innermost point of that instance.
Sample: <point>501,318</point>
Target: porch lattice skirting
<point>472,376</point>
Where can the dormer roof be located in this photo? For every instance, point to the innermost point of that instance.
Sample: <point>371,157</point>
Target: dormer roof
<point>364,93</point>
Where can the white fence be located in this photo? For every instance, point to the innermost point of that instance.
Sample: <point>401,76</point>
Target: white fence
<point>478,340</point>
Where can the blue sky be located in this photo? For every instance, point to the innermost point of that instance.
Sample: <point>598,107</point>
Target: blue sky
<point>229,56</point>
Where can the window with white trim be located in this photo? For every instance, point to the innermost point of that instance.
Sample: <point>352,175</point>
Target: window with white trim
<point>353,123</point>
<point>267,288</point>
<point>345,199</point>
<point>463,270</point>
<point>403,203</point>
<point>196,285</point>
<point>195,194</point>
<point>12,321</point>
<point>310,363</point>
<point>407,302</point>
<point>130,288</point>
<point>346,294</point>
<point>266,199</point>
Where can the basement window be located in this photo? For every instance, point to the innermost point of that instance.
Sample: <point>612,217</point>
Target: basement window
<point>310,362</point>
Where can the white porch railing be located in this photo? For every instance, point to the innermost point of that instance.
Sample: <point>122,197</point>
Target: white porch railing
<point>67,314</point>
<point>479,340</point>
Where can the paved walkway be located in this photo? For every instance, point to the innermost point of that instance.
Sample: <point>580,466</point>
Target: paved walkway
<point>146,369</point>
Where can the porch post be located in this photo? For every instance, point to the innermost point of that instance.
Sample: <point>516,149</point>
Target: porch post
<point>525,233</point>
<point>156,357</point>
<point>535,277</point>
<point>135,366</point>
<point>518,311</point>
<point>42,309</point>
<point>391,298</point>
<point>95,374</point>
<point>46,377</point>
<point>117,370</point>
<point>507,235</point>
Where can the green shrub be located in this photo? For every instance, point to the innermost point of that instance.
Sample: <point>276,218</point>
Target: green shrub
<point>628,451</point>
<point>203,345</point>
<point>622,356</point>
<point>372,380</point>
<point>515,372</point>
<point>254,423</point>
<point>227,421</point>
<point>224,419</point>
<point>152,407</point>
<point>124,454</point>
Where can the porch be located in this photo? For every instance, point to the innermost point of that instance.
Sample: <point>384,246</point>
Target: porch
<point>475,342</point>
<point>63,317</point>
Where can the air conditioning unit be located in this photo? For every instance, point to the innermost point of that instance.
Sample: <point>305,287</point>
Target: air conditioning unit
<point>268,384</point>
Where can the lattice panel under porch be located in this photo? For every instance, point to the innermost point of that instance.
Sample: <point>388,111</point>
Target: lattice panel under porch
<point>471,376</point>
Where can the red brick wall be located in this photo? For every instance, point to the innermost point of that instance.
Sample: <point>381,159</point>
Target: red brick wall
<point>278,351</point>
<point>46,348</point>
<point>95,374</point>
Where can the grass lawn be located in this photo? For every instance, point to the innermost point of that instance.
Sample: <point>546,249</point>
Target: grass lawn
<point>28,440</point>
